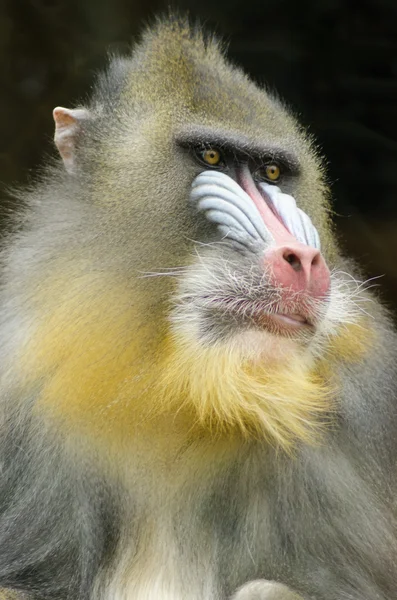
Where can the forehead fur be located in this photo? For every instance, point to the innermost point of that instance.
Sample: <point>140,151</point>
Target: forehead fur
<point>179,71</point>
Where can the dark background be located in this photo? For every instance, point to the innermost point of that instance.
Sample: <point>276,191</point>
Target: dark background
<point>334,61</point>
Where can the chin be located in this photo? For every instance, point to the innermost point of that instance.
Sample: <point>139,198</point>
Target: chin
<point>269,347</point>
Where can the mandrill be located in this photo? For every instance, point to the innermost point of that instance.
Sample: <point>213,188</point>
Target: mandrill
<point>198,397</point>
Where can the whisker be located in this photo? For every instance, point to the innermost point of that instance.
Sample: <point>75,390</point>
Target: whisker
<point>170,273</point>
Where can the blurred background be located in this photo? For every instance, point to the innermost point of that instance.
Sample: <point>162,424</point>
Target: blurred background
<point>333,61</point>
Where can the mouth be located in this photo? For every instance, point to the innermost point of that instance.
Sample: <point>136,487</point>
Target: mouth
<point>292,320</point>
<point>274,318</point>
<point>284,324</point>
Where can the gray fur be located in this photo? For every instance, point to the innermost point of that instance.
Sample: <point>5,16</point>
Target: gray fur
<point>322,520</point>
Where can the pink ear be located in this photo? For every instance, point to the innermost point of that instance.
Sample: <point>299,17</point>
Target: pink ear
<point>67,126</point>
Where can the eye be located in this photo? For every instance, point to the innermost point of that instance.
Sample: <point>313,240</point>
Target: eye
<point>272,172</point>
<point>211,157</point>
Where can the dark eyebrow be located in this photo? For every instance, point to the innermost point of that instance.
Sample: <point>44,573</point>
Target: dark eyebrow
<point>236,143</point>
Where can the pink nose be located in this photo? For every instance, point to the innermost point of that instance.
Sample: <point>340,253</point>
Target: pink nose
<point>299,268</point>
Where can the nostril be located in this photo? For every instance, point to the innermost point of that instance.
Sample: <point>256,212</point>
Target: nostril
<point>293,260</point>
<point>316,260</point>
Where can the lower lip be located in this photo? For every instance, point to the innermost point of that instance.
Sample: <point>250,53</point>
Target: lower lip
<point>281,324</point>
<point>291,320</point>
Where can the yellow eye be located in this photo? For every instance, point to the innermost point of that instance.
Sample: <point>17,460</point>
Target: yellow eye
<point>272,172</point>
<point>212,156</point>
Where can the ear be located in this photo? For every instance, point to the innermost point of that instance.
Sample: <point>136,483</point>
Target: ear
<point>68,124</point>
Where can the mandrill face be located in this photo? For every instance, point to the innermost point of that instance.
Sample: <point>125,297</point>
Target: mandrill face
<point>258,278</point>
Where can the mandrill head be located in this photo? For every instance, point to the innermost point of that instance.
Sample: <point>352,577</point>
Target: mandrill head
<point>213,201</point>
